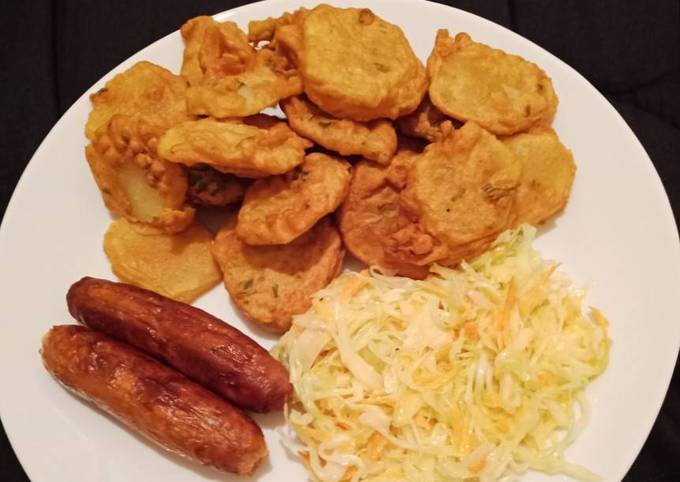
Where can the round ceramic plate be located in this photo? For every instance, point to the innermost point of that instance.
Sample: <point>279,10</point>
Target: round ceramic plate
<point>617,235</point>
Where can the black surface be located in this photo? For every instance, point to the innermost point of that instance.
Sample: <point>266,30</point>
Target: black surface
<point>52,51</point>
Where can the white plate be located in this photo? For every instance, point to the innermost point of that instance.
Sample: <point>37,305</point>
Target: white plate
<point>617,234</point>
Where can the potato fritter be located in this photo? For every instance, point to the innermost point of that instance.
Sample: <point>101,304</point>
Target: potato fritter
<point>133,180</point>
<point>503,93</point>
<point>234,146</point>
<point>270,284</point>
<point>228,77</point>
<point>266,30</point>
<point>210,187</point>
<point>370,212</point>
<point>214,49</point>
<point>461,191</point>
<point>278,209</point>
<point>179,266</point>
<point>354,64</point>
<point>146,90</point>
<point>548,172</point>
<point>375,140</point>
<point>426,122</point>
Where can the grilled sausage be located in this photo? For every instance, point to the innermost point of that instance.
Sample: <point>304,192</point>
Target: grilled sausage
<point>154,399</point>
<point>192,341</point>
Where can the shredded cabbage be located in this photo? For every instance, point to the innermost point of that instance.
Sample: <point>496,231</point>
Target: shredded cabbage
<point>476,373</point>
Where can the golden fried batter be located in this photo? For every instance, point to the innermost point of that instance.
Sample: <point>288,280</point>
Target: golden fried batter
<point>278,209</point>
<point>228,77</point>
<point>462,193</point>
<point>354,64</point>
<point>146,90</point>
<point>268,29</point>
<point>179,266</point>
<point>234,146</point>
<point>270,284</point>
<point>503,93</point>
<point>210,187</point>
<point>370,213</point>
<point>548,171</point>
<point>214,49</point>
<point>426,122</point>
<point>374,140</point>
<point>133,180</point>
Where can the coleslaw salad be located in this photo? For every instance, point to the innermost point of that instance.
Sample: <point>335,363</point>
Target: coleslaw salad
<point>475,373</point>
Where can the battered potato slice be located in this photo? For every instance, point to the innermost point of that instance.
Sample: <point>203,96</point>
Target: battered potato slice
<point>278,209</point>
<point>269,28</point>
<point>213,49</point>
<point>548,171</point>
<point>228,77</point>
<point>145,90</point>
<point>370,213</point>
<point>426,122</point>
<point>503,93</point>
<point>133,180</point>
<point>209,187</point>
<point>270,284</point>
<point>179,266</point>
<point>461,192</point>
<point>234,146</point>
<point>354,64</point>
<point>375,140</point>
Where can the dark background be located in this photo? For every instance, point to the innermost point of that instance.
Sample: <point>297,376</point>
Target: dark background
<point>52,51</point>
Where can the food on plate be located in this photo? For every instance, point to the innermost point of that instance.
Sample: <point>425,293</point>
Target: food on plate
<point>375,140</point>
<point>503,93</point>
<point>227,76</point>
<point>235,147</point>
<point>269,29</point>
<point>476,373</point>
<point>270,284</point>
<point>145,90</point>
<point>213,49</point>
<point>370,212</point>
<point>202,347</point>
<point>548,171</point>
<point>134,181</point>
<point>426,122</point>
<point>150,398</point>
<point>179,266</point>
<point>354,64</point>
<point>461,193</point>
<point>278,209</point>
<point>210,187</point>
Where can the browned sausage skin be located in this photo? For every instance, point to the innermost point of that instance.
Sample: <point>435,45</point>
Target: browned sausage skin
<point>194,342</point>
<point>162,404</point>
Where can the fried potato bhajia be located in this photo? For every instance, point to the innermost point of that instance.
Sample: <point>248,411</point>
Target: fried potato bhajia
<point>548,171</point>
<point>370,213</point>
<point>354,64</point>
<point>227,76</point>
<point>133,180</point>
<point>179,266</point>
<point>213,49</point>
<point>146,90</point>
<point>375,140</point>
<point>503,93</point>
<point>235,147</point>
<point>462,191</point>
<point>209,187</point>
<point>268,29</point>
<point>278,209</point>
<point>270,284</point>
<point>426,122</point>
